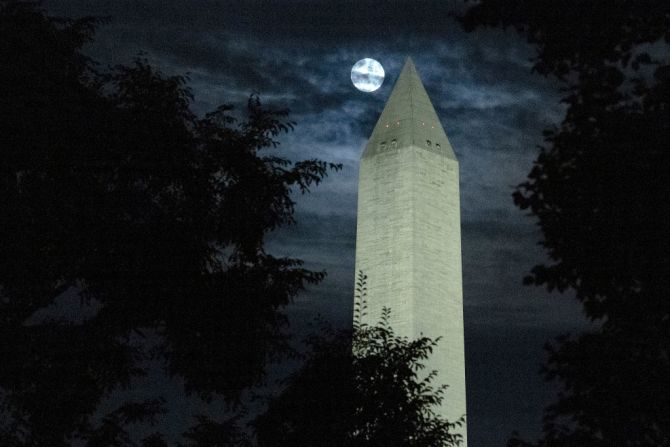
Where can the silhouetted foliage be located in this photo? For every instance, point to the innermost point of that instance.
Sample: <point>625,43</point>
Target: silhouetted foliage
<point>600,190</point>
<point>209,433</point>
<point>364,388</point>
<point>112,429</point>
<point>113,192</point>
<point>154,440</point>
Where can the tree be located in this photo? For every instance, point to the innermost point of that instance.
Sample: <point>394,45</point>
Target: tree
<point>360,388</point>
<point>209,433</point>
<point>599,189</point>
<point>113,192</point>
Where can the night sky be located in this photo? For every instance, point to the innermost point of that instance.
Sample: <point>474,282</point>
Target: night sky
<point>298,55</point>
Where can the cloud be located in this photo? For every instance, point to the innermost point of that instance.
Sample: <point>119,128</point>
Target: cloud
<point>324,20</point>
<point>298,54</point>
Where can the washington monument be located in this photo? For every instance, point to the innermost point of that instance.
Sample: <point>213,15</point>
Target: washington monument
<point>408,239</point>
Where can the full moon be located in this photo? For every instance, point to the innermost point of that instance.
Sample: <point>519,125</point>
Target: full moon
<point>367,75</point>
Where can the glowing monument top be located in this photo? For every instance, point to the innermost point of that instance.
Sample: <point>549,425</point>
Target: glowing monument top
<point>409,118</point>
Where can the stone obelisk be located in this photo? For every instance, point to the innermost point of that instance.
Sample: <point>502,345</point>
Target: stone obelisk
<point>408,239</point>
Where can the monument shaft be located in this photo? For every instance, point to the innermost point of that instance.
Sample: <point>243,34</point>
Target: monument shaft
<point>408,239</point>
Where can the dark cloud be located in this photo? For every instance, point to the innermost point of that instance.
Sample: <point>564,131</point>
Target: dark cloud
<point>304,20</point>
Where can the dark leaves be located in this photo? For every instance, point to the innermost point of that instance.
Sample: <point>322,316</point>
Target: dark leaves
<point>209,433</point>
<point>599,190</point>
<point>112,431</point>
<point>362,389</point>
<point>114,192</point>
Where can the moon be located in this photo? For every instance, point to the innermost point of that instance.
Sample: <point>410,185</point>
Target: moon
<point>367,75</point>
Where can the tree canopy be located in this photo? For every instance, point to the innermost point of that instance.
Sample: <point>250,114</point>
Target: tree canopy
<point>360,388</point>
<point>599,190</point>
<point>113,192</point>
